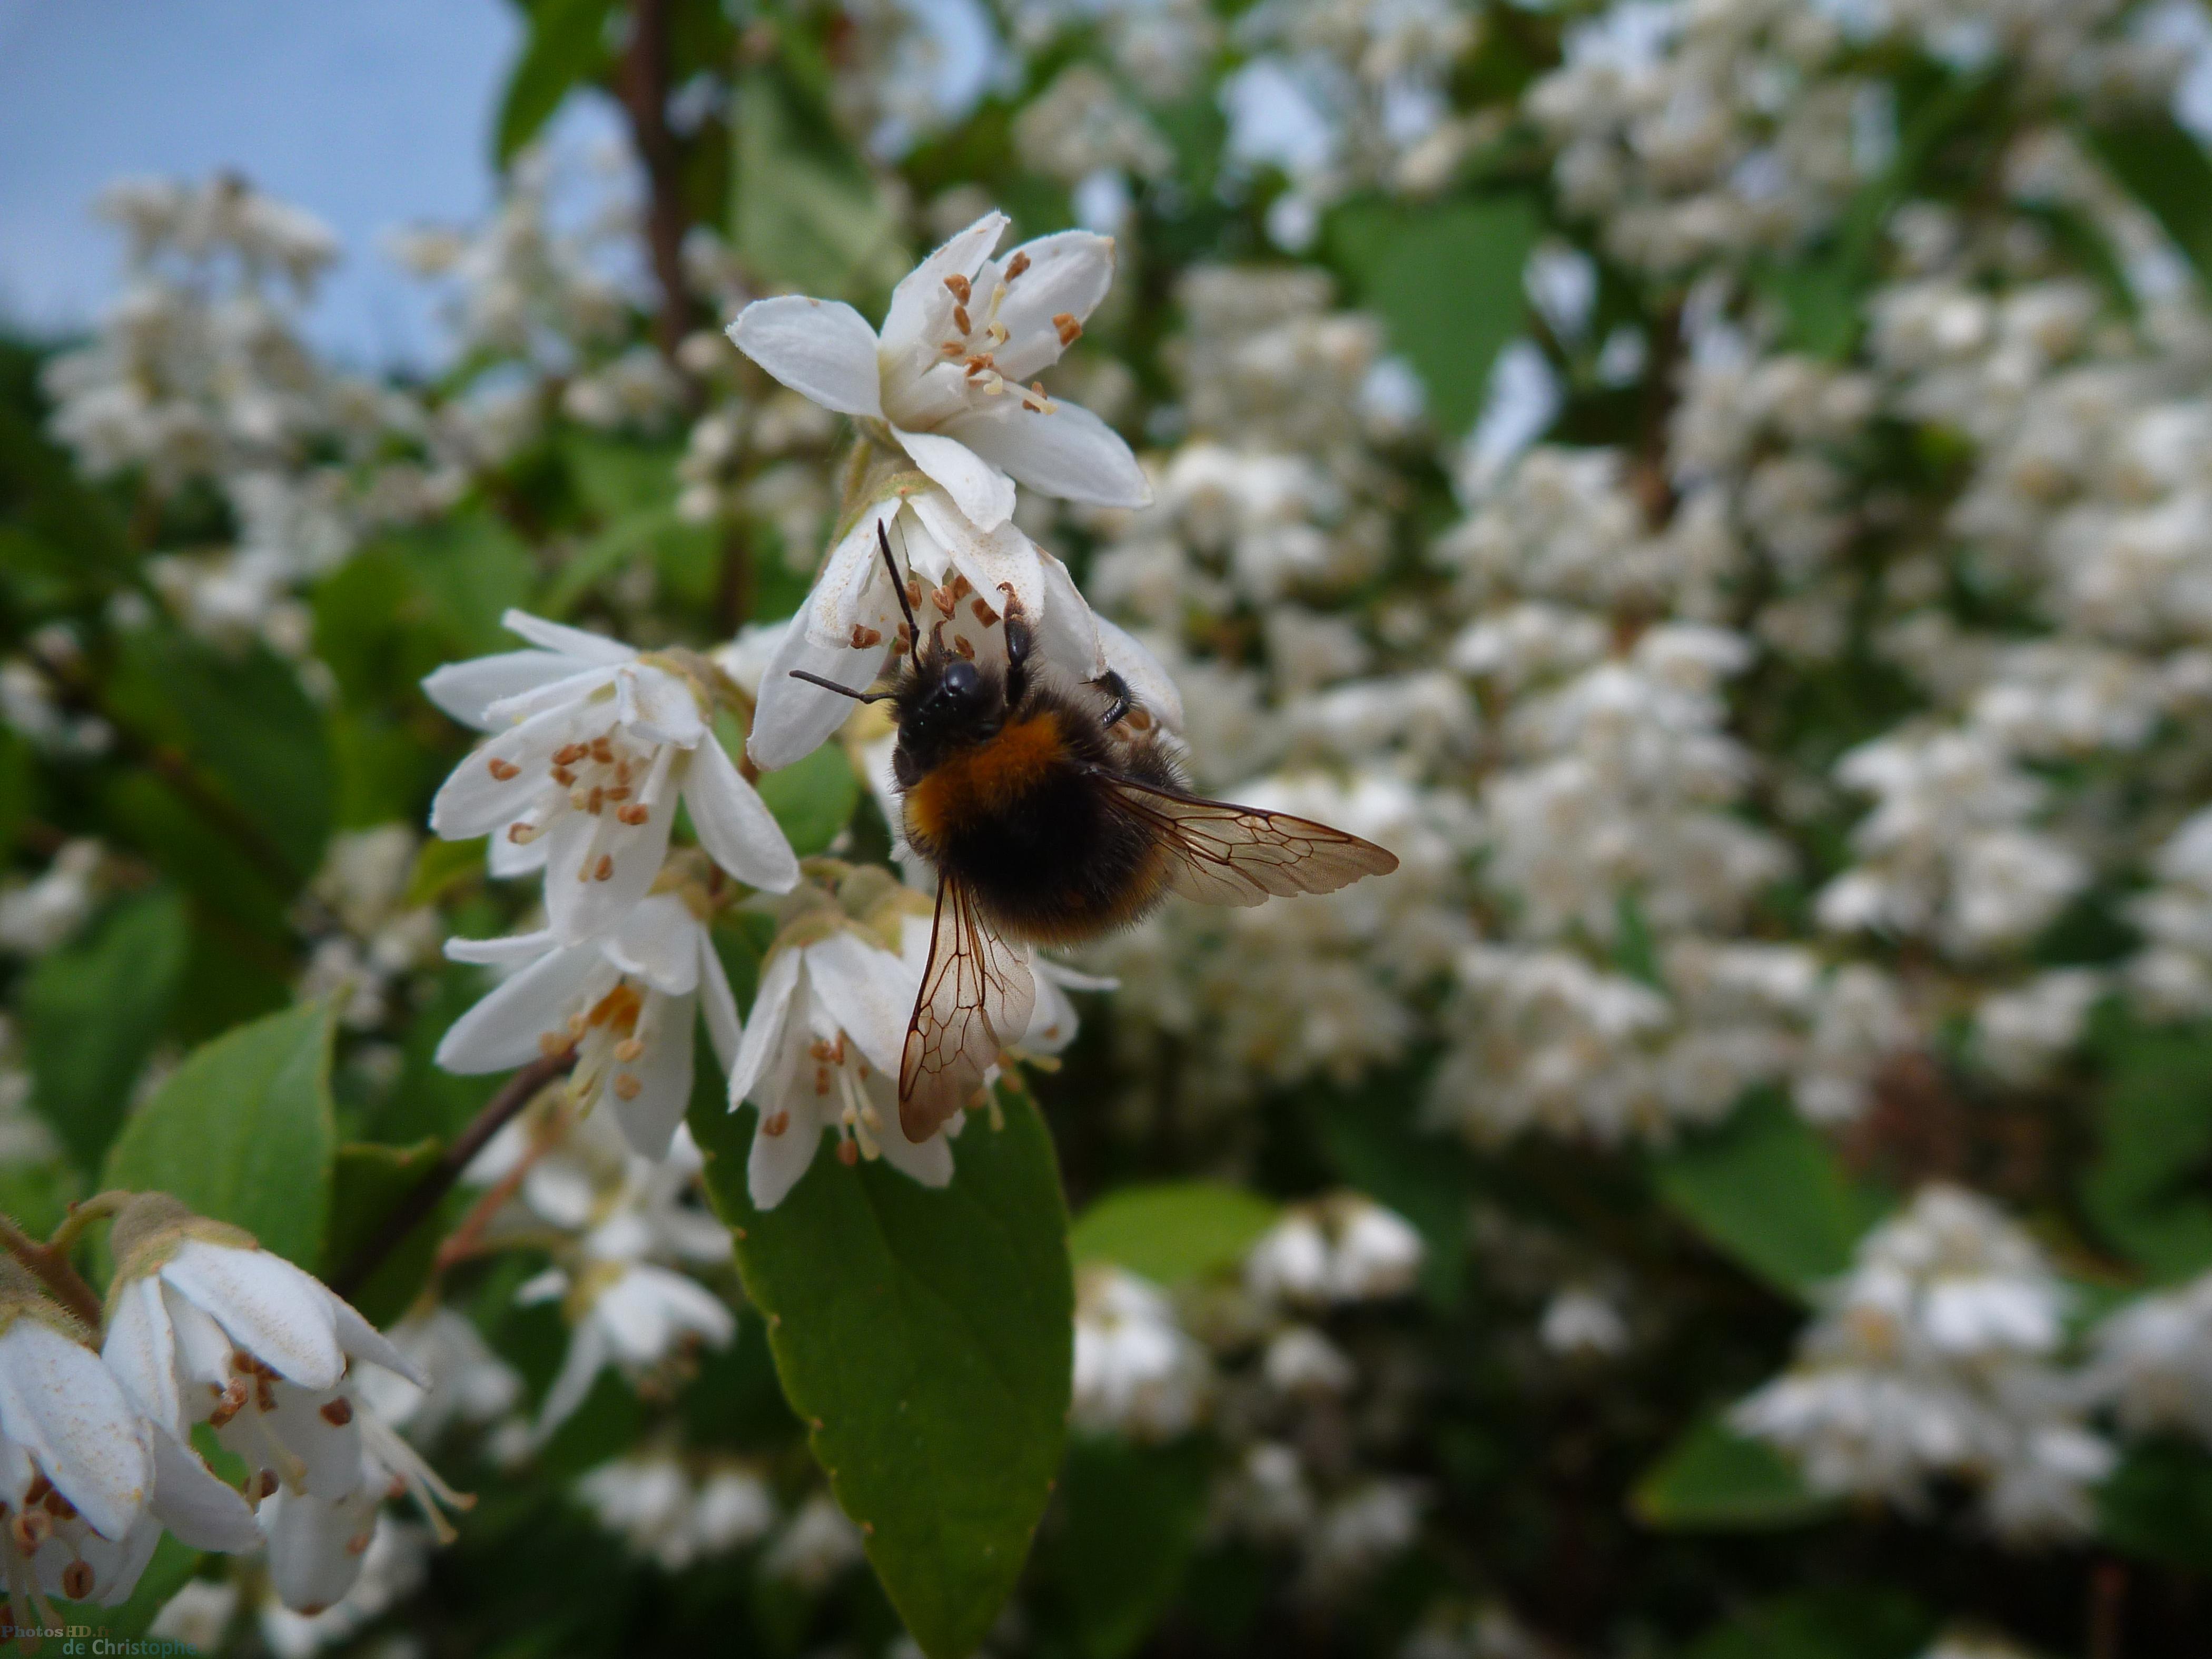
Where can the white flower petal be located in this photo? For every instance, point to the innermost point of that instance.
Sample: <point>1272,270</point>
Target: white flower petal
<point>510,948</point>
<point>765,1030</point>
<point>794,718</point>
<point>587,1355</point>
<point>734,824</point>
<point>662,708</point>
<point>140,1348</point>
<point>362,1340</point>
<point>312,1560</point>
<point>190,1502</point>
<point>867,991</point>
<point>992,560</point>
<point>1070,452</point>
<point>467,689</point>
<point>1069,275</point>
<point>330,1450</point>
<point>921,305</point>
<point>573,641</point>
<point>269,1307</point>
<point>581,902</point>
<point>502,1032</point>
<point>475,800</point>
<point>658,942</point>
<point>821,348</point>
<point>663,1071</point>
<point>724,1029</point>
<point>1067,631</point>
<point>777,1162</point>
<point>930,1163</point>
<point>504,858</point>
<point>60,1403</point>
<point>853,589</point>
<point>977,486</point>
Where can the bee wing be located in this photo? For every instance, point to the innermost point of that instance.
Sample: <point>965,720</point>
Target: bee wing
<point>1227,854</point>
<point>976,999</point>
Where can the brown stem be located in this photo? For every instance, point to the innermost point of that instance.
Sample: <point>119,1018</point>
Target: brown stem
<point>733,592</point>
<point>643,81</point>
<point>423,1197</point>
<point>53,1271</point>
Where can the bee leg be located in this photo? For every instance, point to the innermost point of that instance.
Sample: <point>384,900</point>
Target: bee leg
<point>1117,689</point>
<point>1020,643</point>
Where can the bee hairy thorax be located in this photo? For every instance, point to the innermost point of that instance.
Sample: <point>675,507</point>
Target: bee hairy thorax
<point>1020,816</point>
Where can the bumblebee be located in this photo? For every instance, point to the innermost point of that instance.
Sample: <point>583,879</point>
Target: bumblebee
<point>1052,813</point>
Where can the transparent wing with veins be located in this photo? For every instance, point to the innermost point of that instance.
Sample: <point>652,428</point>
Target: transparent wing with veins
<point>976,999</point>
<point>1230,854</point>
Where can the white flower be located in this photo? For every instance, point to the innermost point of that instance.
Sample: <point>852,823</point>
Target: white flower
<point>625,1313</point>
<point>1343,1249</point>
<point>1580,1322</point>
<point>956,576</point>
<point>822,1052</point>
<point>625,1000</point>
<point>819,1544</point>
<point>469,1382</point>
<point>951,372</point>
<point>1136,1371</point>
<point>594,743</point>
<point>208,1327</point>
<point>663,1514</point>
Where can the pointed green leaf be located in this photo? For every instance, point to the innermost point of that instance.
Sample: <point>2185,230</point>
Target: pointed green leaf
<point>244,1130</point>
<point>806,213</point>
<point>91,1013</point>
<point>1172,1231</point>
<point>2166,169</point>
<point>1130,1522</point>
<point>813,799</point>
<point>1715,1479</point>
<point>566,45</point>
<point>926,1338</point>
<point>367,1183</point>
<point>2146,1191</point>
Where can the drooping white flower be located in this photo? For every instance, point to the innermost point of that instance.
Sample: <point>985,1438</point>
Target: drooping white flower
<point>207,1327</point>
<point>665,1514</point>
<point>822,1052</point>
<point>1343,1249</point>
<point>1579,1321</point>
<point>593,744</point>
<point>950,373</point>
<point>625,1000</point>
<point>819,1544</point>
<point>469,1382</point>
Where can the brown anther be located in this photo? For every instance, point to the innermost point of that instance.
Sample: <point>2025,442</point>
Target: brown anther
<point>943,599</point>
<point>519,834</point>
<point>848,1153</point>
<point>264,1396</point>
<point>1069,330</point>
<point>628,1049</point>
<point>603,750</point>
<point>960,320</point>
<point>913,592</point>
<point>336,1413</point>
<point>978,364</point>
<point>636,813</point>
<point>358,1544</point>
<point>1017,264</point>
<point>605,869</point>
<point>57,1506</point>
<point>821,1050</point>
<point>627,1087</point>
<point>550,1043</point>
<point>563,776</point>
<point>620,791</point>
<point>622,772</point>
<point>822,1079</point>
<point>503,770</point>
<point>569,753</point>
<point>837,1049</point>
<point>40,1486</point>
<point>958,284</point>
<point>984,614</point>
<point>76,1580</point>
<point>596,801</point>
<point>266,1485</point>
<point>962,588</point>
<point>865,637</point>
<point>775,1125</point>
<point>960,644</point>
<point>950,349</point>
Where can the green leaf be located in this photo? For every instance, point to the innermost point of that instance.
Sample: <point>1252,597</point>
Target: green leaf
<point>91,1013</point>
<point>813,799</point>
<point>926,1338</point>
<point>1764,1187</point>
<point>172,1565</point>
<point>244,1131</point>
<point>1172,1231</point>
<point>1377,1146</point>
<point>1713,1480</point>
<point>2164,167</point>
<point>806,213</point>
<point>566,45</point>
<point>1446,279</point>
<point>368,1183</point>
<point>2148,1191</point>
<point>1860,1621</point>
<point>602,555</point>
<point>2158,1504</point>
<point>18,782</point>
<point>1131,1518</point>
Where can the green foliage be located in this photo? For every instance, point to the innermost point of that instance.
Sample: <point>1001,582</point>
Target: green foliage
<point>805,214</point>
<point>928,1349</point>
<point>2166,169</point>
<point>1446,280</point>
<point>1129,1525</point>
<point>1172,1231</point>
<point>367,1181</point>
<point>1821,1624</point>
<point>244,1130</point>
<point>2158,1504</point>
<point>813,799</point>
<point>92,1012</point>
<point>567,47</point>
<point>1715,1479</point>
<point>1766,1189</point>
<point>2150,1190</point>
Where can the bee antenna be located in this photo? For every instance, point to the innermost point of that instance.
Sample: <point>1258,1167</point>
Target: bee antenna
<point>842,691</point>
<point>906,610</point>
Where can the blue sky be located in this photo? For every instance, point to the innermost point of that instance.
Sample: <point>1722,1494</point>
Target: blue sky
<point>367,113</point>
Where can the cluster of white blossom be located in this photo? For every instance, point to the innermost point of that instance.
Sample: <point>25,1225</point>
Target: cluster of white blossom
<point>1264,1364</point>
